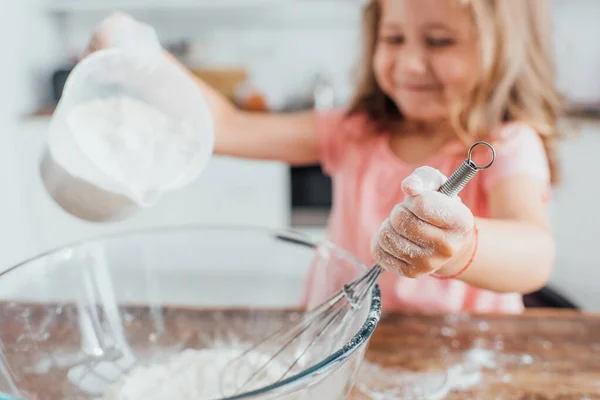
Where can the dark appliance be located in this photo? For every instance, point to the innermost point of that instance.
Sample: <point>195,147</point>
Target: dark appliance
<point>311,188</point>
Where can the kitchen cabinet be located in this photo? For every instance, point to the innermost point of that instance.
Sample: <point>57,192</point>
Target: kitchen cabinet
<point>229,192</point>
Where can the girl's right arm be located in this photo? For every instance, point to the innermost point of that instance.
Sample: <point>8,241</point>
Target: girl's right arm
<point>284,137</point>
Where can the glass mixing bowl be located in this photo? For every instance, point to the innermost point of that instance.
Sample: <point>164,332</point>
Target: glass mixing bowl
<point>73,321</point>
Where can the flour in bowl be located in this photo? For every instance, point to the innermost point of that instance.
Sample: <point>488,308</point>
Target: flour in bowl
<point>137,146</point>
<point>193,375</point>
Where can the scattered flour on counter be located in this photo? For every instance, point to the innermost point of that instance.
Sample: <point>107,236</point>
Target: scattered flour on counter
<point>481,358</point>
<point>380,383</point>
<point>484,326</point>
<point>137,146</point>
<point>403,385</point>
<point>395,384</point>
<point>191,375</point>
<point>447,331</point>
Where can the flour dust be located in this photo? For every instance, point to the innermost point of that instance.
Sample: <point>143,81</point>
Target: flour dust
<point>194,375</point>
<point>141,149</point>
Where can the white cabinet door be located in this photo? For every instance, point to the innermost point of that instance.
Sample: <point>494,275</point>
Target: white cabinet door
<point>229,192</point>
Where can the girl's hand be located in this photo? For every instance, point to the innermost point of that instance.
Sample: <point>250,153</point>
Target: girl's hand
<point>101,36</point>
<point>428,232</point>
<point>118,29</point>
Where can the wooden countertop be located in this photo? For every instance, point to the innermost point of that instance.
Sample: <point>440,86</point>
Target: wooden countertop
<point>542,354</point>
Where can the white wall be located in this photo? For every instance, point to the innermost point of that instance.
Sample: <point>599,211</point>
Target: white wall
<point>575,211</point>
<point>576,217</point>
<point>28,42</point>
<point>577,51</point>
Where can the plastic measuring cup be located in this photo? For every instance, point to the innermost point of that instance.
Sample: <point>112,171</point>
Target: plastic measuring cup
<point>134,67</point>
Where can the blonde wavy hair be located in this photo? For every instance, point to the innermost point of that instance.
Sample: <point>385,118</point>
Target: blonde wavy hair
<point>517,82</point>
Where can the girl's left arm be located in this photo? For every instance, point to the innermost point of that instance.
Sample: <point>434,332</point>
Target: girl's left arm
<point>516,249</point>
<point>511,251</point>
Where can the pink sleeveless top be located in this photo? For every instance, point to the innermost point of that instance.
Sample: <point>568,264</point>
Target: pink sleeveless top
<point>367,175</point>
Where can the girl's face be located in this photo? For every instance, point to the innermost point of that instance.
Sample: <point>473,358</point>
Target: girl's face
<point>427,55</point>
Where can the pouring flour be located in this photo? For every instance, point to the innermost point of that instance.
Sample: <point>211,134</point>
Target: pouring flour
<point>140,148</point>
<point>129,128</point>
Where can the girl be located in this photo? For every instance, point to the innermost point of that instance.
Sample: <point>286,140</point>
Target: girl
<point>438,75</point>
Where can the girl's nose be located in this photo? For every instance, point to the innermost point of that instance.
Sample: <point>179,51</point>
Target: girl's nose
<point>411,59</point>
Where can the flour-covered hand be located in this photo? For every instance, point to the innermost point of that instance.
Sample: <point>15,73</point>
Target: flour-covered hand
<point>428,232</point>
<point>120,30</point>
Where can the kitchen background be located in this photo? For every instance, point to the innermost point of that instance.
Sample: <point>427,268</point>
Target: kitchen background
<point>289,53</point>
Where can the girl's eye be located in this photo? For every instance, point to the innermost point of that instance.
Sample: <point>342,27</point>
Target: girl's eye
<point>393,39</point>
<point>439,42</point>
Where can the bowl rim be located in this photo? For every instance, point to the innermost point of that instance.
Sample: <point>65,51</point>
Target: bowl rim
<point>350,347</point>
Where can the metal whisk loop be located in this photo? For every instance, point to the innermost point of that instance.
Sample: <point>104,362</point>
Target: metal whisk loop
<point>329,319</point>
<point>465,172</point>
<point>357,290</point>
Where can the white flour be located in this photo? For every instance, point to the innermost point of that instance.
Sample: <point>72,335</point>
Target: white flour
<point>139,148</point>
<point>393,384</point>
<point>192,375</point>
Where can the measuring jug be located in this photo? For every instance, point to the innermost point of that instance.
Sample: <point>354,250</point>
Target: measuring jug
<point>95,120</point>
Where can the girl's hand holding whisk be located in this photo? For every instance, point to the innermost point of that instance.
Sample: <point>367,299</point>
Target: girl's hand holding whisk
<point>428,232</point>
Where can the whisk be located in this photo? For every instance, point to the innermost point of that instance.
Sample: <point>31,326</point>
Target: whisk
<point>329,319</point>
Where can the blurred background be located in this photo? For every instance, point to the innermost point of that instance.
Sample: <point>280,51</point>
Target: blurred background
<point>273,55</point>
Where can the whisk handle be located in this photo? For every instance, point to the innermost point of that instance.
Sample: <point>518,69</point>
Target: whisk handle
<point>465,172</point>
